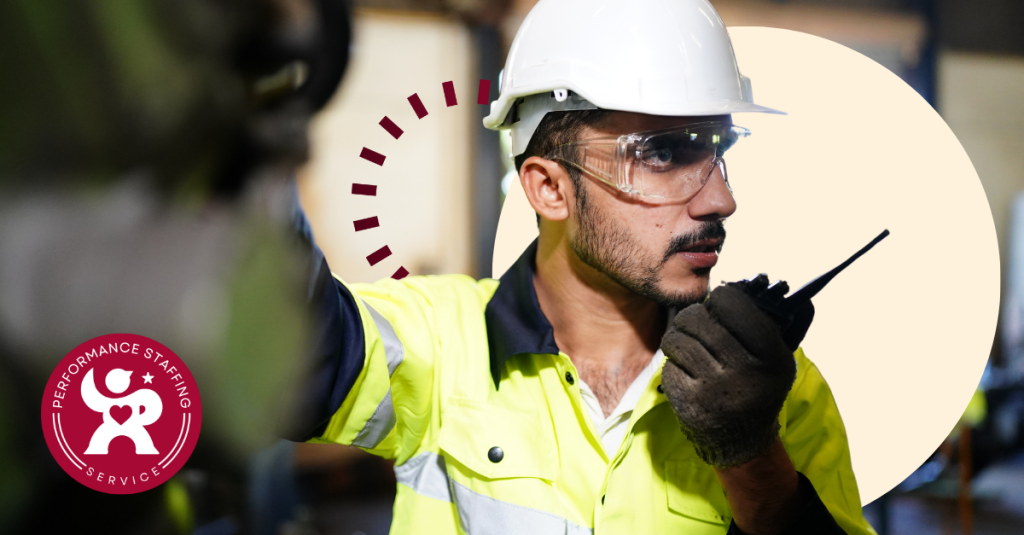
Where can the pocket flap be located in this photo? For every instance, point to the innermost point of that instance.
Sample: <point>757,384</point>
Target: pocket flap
<point>694,491</point>
<point>470,429</point>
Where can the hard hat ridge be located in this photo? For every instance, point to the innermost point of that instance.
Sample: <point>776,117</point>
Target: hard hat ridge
<point>659,57</point>
<point>527,112</point>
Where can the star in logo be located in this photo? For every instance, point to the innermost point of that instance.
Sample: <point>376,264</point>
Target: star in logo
<point>147,378</point>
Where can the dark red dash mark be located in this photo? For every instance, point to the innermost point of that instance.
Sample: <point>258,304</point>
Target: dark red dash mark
<point>364,189</point>
<point>372,156</point>
<point>391,127</point>
<point>449,94</point>
<point>483,96</point>
<point>400,274</point>
<point>417,106</point>
<point>369,222</point>
<point>378,255</point>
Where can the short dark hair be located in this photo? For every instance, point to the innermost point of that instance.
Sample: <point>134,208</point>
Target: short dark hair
<point>556,129</point>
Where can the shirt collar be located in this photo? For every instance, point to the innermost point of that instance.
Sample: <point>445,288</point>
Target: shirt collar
<point>629,399</point>
<point>515,322</point>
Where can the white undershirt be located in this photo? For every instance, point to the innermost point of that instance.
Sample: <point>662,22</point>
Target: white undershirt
<point>612,429</point>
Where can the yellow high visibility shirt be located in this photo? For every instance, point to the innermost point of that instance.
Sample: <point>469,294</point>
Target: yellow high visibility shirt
<point>463,386</point>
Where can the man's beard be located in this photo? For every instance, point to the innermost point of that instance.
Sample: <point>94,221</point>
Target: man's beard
<point>613,251</point>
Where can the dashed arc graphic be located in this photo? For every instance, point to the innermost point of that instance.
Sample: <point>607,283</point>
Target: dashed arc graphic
<point>372,156</point>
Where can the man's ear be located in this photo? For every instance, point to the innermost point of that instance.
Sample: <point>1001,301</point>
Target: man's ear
<point>547,187</point>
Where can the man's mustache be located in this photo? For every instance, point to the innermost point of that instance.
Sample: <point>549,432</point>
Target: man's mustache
<point>708,230</point>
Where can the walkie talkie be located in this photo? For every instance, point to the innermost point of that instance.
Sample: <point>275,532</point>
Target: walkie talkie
<point>771,298</point>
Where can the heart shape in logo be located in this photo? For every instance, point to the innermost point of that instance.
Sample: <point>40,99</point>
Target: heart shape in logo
<point>121,413</point>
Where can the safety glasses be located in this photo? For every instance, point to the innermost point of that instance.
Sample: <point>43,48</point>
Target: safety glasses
<point>669,165</point>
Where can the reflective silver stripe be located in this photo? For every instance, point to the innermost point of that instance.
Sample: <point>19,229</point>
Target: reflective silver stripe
<point>573,529</point>
<point>483,515</point>
<point>426,474</point>
<point>383,419</point>
<point>393,350</point>
<point>378,426</point>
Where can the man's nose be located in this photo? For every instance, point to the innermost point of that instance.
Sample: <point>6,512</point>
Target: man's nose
<point>714,200</point>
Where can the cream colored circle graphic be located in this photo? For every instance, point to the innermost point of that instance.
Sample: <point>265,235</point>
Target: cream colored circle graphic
<point>902,335</point>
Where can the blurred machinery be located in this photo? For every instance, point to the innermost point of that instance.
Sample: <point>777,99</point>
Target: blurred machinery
<point>145,157</point>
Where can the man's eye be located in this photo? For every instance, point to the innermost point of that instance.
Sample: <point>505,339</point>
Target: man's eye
<point>667,157</point>
<point>659,156</point>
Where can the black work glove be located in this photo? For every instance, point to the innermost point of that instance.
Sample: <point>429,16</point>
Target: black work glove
<point>730,366</point>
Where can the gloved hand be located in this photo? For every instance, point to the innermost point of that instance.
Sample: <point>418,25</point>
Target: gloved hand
<point>730,366</point>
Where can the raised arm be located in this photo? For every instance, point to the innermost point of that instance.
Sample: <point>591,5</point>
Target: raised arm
<point>369,372</point>
<point>337,353</point>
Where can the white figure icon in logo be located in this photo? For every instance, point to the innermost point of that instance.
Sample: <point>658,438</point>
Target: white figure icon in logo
<point>144,405</point>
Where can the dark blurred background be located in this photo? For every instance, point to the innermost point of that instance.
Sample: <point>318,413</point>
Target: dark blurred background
<point>169,165</point>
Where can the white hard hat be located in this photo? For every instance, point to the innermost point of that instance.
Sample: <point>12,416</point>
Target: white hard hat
<point>660,57</point>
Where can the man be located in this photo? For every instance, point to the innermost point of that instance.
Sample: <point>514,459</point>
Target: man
<point>543,402</point>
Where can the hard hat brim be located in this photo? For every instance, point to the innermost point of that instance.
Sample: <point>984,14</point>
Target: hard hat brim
<point>500,108</point>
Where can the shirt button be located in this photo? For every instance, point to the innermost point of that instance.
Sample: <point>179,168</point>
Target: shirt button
<point>661,389</point>
<point>495,455</point>
<point>569,379</point>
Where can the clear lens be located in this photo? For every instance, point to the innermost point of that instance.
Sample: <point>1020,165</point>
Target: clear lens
<point>676,164</point>
<point>662,165</point>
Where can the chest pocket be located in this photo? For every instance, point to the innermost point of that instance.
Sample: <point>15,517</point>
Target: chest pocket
<point>695,493</point>
<point>496,442</point>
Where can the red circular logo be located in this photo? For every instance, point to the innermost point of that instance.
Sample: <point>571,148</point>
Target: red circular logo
<point>121,413</point>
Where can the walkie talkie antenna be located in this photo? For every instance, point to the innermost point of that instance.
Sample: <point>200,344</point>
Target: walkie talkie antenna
<point>809,290</point>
